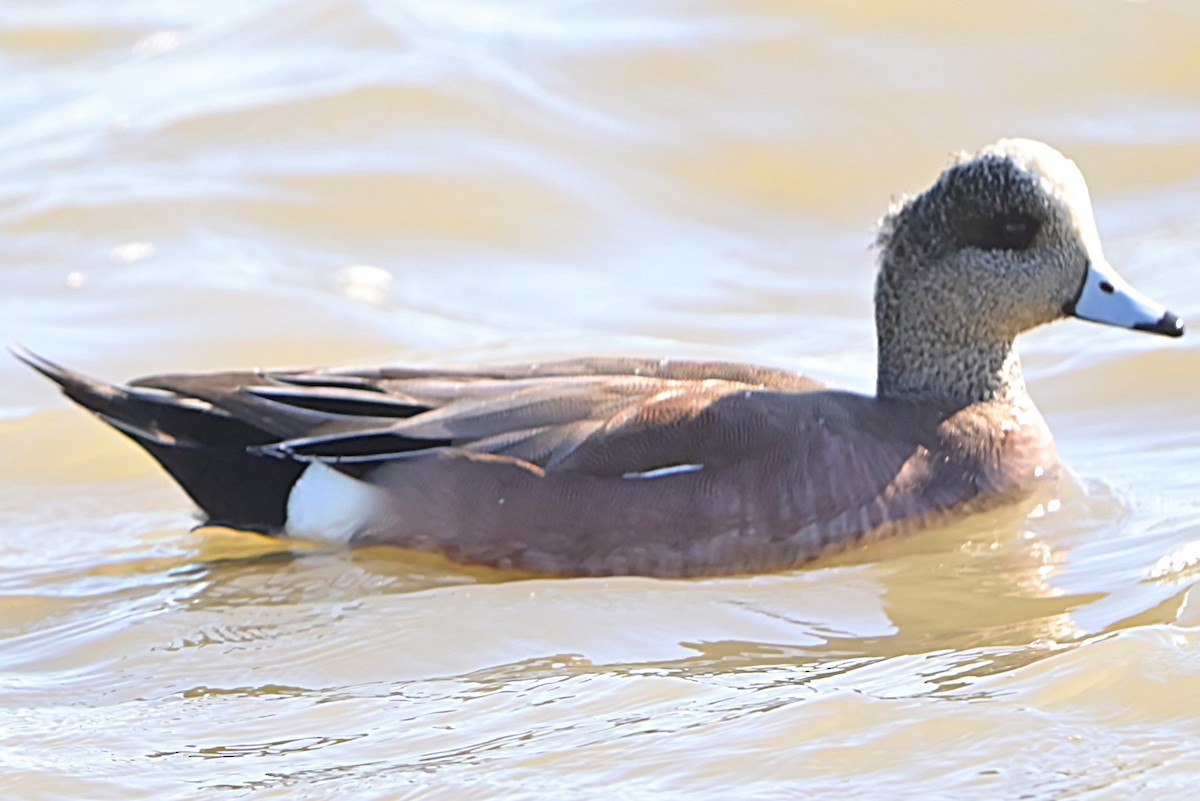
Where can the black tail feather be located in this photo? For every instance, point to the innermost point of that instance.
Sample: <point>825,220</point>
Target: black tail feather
<point>215,457</point>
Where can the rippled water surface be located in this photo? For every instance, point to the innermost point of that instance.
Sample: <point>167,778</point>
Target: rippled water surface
<point>229,184</point>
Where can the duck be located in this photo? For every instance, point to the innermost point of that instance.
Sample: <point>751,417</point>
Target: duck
<point>672,468</point>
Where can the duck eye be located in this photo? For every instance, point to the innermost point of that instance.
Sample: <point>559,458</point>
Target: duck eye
<point>1008,231</point>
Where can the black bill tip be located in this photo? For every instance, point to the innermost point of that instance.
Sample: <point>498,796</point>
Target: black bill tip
<point>1168,325</point>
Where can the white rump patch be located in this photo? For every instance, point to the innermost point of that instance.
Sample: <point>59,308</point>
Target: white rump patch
<point>329,506</point>
<point>660,472</point>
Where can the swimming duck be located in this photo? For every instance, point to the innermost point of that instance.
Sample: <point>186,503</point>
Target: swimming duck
<point>606,466</point>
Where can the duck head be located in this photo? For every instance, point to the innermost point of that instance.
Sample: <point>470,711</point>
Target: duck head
<point>1005,240</point>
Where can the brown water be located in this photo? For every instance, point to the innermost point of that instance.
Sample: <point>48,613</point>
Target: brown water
<point>227,184</point>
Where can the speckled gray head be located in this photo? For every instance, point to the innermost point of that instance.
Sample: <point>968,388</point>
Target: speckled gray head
<point>1015,219</point>
<point>1004,241</point>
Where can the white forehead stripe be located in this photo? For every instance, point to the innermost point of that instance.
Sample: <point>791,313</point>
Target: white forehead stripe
<point>1061,180</point>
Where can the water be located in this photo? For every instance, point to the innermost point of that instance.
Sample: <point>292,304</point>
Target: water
<point>220,185</point>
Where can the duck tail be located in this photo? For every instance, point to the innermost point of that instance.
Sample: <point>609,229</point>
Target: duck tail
<point>212,455</point>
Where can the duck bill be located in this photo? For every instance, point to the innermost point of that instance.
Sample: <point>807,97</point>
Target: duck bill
<point>1105,298</point>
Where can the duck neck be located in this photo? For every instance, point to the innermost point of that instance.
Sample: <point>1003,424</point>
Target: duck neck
<point>919,365</point>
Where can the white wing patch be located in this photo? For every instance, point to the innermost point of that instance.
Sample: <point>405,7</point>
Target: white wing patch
<point>660,472</point>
